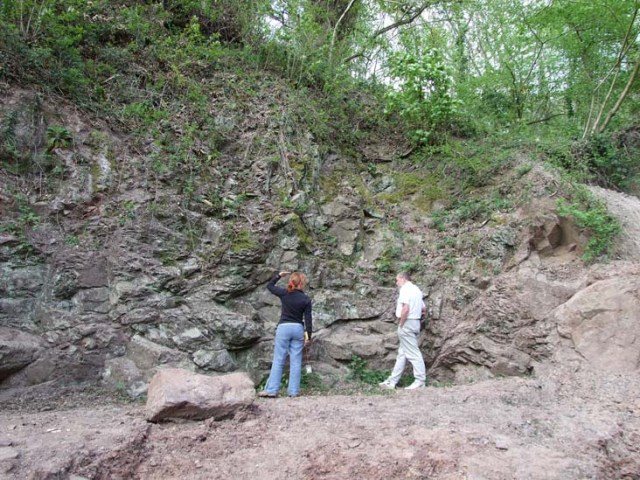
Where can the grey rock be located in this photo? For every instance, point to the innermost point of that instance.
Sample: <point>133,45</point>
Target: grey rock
<point>8,453</point>
<point>123,374</point>
<point>12,309</point>
<point>346,219</point>
<point>22,282</point>
<point>289,243</point>
<point>105,175</point>
<point>94,273</point>
<point>213,232</point>
<point>219,361</point>
<point>189,337</point>
<point>383,184</point>
<point>234,329</point>
<point>147,355</point>
<point>190,267</point>
<point>94,300</point>
<point>222,289</point>
<point>502,443</point>
<point>17,350</point>
<point>65,285</point>
<point>140,315</point>
<point>331,306</point>
<point>344,342</point>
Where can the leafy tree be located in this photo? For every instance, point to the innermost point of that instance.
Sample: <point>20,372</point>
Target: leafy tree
<point>424,96</point>
<point>599,42</point>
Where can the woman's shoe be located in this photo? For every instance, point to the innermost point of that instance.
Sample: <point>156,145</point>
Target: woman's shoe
<point>264,394</point>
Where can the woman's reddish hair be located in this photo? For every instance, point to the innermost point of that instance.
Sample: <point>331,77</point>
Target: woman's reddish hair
<point>297,281</point>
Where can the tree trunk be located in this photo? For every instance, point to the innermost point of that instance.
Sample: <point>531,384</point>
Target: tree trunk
<point>623,95</point>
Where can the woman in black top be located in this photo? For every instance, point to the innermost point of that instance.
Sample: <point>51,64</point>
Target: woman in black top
<point>293,332</point>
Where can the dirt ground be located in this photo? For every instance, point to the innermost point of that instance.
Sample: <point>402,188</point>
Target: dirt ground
<point>560,426</point>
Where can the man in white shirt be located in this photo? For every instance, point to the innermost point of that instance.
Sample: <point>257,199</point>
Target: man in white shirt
<point>409,309</point>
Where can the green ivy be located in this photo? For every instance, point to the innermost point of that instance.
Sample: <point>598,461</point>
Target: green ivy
<point>591,214</point>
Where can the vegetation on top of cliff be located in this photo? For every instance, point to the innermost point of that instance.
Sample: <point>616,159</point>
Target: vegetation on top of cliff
<point>465,83</point>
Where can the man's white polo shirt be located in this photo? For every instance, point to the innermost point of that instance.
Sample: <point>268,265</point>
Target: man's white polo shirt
<point>412,296</point>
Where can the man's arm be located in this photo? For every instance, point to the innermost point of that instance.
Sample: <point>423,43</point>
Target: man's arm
<point>404,313</point>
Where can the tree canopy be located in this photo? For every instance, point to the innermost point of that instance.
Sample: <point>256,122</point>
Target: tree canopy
<point>502,63</point>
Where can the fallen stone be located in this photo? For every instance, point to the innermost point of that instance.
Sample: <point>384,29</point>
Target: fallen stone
<point>179,393</point>
<point>502,443</point>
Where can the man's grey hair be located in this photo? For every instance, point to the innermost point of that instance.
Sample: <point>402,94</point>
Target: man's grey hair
<point>405,276</point>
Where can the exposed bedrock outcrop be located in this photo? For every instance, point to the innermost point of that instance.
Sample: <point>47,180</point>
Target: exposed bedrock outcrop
<point>106,276</point>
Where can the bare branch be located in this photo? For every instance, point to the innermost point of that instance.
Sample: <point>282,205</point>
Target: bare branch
<point>405,20</point>
<point>545,119</point>
<point>335,28</point>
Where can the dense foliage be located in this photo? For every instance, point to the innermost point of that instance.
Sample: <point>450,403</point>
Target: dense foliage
<point>505,61</point>
<point>557,75</point>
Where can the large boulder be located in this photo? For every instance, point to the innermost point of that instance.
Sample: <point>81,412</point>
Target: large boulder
<point>17,350</point>
<point>600,325</point>
<point>178,393</point>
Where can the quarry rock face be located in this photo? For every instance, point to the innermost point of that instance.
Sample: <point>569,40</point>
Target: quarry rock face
<point>121,280</point>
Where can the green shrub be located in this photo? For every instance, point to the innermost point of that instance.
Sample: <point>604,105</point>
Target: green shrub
<point>58,137</point>
<point>607,164</point>
<point>599,159</point>
<point>471,209</point>
<point>359,371</point>
<point>385,262</point>
<point>425,98</point>
<point>24,220</point>
<point>591,214</point>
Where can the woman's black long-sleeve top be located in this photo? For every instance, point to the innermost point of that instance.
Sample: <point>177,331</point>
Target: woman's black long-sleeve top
<point>296,305</point>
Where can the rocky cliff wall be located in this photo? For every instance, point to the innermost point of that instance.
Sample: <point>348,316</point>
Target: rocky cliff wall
<point>109,271</point>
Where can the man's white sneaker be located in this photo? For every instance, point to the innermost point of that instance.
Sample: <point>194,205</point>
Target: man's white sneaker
<point>415,385</point>
<point>387,385</point>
